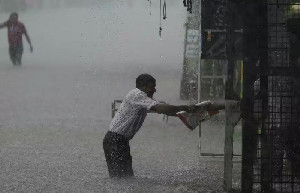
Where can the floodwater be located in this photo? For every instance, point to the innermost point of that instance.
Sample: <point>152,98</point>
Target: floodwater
<point>56,107</point>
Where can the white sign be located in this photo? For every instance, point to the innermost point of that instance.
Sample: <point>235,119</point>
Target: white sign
<point>192,51</point>
<point>192,43</point>
<point>192,36</point>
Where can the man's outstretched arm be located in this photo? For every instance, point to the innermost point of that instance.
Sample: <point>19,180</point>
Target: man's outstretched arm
<point>2,25</point>
<point>171,110</point>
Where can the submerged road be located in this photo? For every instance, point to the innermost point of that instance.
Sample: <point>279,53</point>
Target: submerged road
<point>56,107</point>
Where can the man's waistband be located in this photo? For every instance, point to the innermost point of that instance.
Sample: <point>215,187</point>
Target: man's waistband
<point>114,134</point>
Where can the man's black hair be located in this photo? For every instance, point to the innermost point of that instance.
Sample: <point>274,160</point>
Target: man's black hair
<point>144,80</point>
<point>13,14</point>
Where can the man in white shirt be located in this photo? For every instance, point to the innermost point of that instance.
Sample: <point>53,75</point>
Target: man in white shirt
<point>129,119</point>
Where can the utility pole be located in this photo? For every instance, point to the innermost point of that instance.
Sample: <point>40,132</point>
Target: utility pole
<point>192,50</point>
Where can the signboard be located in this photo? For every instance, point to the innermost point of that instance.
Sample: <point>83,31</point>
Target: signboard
<point>192,44</point>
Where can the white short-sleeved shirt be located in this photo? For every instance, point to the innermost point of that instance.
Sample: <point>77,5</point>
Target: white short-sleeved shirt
<point>132,113</point>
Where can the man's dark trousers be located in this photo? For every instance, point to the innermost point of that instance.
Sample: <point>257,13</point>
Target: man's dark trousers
<point>117,153</point>
<point>15,53</point>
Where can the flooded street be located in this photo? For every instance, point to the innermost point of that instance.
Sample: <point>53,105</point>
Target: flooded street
<point>56,107</point>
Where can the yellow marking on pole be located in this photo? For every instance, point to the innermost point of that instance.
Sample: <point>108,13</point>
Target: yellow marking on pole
<point>242,78</point>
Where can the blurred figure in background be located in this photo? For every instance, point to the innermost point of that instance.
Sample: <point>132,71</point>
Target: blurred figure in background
<point>15,31</point>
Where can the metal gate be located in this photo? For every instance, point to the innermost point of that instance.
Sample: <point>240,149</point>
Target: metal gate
<point>273,108</point>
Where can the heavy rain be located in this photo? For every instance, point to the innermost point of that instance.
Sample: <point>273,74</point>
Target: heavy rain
<point>56,106</point>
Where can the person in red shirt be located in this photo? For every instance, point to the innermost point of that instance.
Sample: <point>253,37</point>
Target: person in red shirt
<point>15,31</point>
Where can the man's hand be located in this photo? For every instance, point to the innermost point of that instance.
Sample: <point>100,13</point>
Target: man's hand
<point>31,48</point>
<point>203,106</point>
<point>197,108</point>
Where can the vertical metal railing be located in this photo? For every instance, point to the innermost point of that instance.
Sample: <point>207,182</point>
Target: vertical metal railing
<point>275,165</point>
